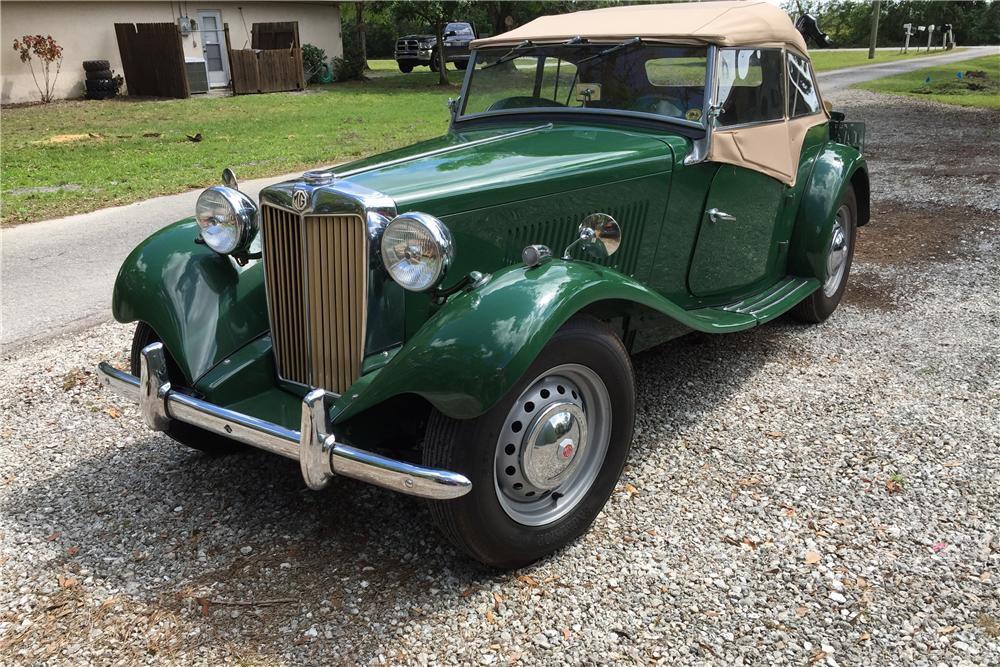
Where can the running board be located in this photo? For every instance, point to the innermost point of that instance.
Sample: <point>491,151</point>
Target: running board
<point>775,300</point>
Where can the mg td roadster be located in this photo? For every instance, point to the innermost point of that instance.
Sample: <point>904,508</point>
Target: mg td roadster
<point>454,320</point>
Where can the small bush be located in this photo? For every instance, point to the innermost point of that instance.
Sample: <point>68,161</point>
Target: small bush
<point>313,62</point>
<point>351,67</point>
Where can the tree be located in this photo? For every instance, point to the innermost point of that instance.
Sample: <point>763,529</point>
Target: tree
<point>437,14</point>
<point>48,52</point>
<point>359,26</point>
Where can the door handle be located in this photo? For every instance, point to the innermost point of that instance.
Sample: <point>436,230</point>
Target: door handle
<point>715,215</point>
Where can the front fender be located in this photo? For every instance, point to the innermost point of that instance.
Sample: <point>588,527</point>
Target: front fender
<point>202,305</point>
<point>477,346</point>
<point>835,168</point>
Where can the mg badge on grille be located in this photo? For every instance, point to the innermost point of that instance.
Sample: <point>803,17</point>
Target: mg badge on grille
<point>300,200</point>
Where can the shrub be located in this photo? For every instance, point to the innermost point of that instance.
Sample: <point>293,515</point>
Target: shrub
<point>48,52</point>
<point>313,62</point>
<point>351,67</point>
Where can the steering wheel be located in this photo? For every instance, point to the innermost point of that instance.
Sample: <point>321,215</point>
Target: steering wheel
<point>524,102</point>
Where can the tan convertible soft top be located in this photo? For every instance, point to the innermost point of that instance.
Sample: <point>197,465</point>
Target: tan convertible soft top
<point>771,148</point>
<point>731,23</point>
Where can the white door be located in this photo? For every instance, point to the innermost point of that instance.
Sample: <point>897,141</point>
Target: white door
<point>213,45</point>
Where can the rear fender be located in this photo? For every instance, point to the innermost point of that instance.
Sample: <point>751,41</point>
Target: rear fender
<point>837,167</point>
<point>202,305</point>
<point>477,346</point>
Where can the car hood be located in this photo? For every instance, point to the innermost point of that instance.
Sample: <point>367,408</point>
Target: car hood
<point>465,170</point>
<point>416,37</point>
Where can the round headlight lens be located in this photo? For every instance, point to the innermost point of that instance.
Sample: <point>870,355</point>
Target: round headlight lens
<point>228,219</point>
<point>417,250</point>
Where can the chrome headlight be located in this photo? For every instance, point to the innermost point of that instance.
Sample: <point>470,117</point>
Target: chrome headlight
<point>417,250</point>
<point>228,219</point>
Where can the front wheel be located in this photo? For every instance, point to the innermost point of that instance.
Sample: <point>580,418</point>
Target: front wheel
<point>405,68</point>
<point>543,461</point>
<point>840,254</point>
<point>186,434</point>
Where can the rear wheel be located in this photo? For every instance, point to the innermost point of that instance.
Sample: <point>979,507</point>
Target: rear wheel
<point>186,434</point>
<point>840,253</point>
<point>434,64</point>
<point>545,459</point>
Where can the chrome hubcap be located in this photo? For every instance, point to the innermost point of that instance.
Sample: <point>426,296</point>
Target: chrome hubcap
<point>836,259</point>
<point>552,445</point>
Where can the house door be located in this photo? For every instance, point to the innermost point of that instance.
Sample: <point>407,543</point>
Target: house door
<point>213,45</point>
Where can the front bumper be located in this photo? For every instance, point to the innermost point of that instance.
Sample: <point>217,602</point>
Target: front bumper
<point>414,54</point>
<point>319,454</point>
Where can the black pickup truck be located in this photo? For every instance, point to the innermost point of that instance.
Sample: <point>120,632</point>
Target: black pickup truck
<point>420,50</point>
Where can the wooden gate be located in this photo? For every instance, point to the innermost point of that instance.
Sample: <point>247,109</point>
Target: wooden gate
<point>152,59</point>
<point>273,64</point>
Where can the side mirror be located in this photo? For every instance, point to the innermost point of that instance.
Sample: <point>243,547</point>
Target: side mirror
<point>450,33</point>
<point>453,105</point>
<point>600,236</point>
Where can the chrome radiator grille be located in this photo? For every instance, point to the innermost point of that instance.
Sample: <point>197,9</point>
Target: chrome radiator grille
<point>316,272</point>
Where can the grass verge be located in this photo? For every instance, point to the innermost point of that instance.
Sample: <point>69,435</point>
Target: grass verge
<point>941,83</point>
<point>825,60</point>
<point>77,156</point>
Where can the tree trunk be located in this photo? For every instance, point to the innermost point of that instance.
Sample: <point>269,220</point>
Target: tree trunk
<point>442,61</point>
<point>359,25</point>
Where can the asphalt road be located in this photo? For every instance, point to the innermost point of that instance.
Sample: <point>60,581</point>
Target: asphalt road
<point>56,275</point>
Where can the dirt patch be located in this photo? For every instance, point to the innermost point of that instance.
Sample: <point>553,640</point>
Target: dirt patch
<point>867,291</point>
<point>907,235</point>
<point>67,138</point>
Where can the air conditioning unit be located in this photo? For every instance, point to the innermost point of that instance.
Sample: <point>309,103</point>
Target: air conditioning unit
<point>197,74</point>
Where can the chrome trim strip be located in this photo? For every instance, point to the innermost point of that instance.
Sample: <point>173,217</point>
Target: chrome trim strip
<point>446,149</point>
<point>701,147</point>
<point>318,453</point>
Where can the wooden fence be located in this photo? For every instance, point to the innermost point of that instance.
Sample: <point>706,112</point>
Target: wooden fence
<point>273,64</point>
<point>152,59</point>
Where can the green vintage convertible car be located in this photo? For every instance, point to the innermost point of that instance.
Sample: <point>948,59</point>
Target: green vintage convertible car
<point>453,320</point>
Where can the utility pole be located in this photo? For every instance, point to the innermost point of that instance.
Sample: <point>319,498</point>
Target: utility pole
<point>874,36</point>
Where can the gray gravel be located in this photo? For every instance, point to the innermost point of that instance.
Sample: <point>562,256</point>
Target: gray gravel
<point>795,495</point>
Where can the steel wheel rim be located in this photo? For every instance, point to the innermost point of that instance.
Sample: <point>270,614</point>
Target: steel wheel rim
<point>840,246</point>
<point>536,481</point>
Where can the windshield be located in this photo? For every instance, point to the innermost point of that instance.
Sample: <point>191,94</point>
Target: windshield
<point>631,76</point>
<point>460,29</point>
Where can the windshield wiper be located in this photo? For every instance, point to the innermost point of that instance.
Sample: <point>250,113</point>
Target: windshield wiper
<point>516,51</point>
<point>600,54</point>
<point>612,49</point>
<point>510,55</point>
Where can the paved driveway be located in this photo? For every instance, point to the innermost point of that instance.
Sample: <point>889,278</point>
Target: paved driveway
<point>57,274</point>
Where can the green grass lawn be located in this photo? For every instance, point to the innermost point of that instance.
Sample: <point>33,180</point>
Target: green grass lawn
<point>945,86</point>
<point>824,60</point>
<point>77,156</point>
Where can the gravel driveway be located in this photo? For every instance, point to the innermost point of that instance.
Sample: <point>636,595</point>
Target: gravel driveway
<point>795,495</point>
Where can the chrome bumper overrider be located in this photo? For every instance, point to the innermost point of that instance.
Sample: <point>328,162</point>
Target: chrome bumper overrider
<point>318,453</point>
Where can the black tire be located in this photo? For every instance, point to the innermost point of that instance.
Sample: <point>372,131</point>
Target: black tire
<point>461,65</point>
<point>186,434</point>
<point>101,85</point>
<point>100,74</point>
<point>405,68</point>
<point>477,523</point>
<point>96,65</point>
<point>818,306</point>
<point>434,64</point>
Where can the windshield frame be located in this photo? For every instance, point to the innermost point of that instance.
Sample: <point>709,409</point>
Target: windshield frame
<point>703,124</point>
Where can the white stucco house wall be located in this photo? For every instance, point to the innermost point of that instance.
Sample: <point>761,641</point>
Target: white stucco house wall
<point>85,30</point>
